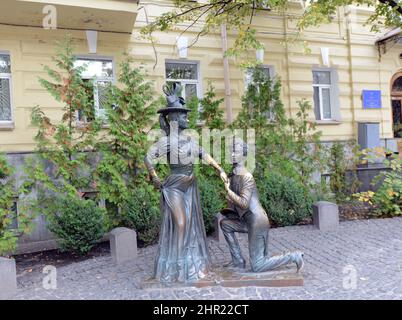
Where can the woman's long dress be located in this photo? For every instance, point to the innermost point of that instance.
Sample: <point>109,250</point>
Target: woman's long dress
<point>189,260</point>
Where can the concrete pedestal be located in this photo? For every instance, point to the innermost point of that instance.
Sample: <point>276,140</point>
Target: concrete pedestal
<point>8,278</point>
<point>123,245</point>
<point>326,215</point>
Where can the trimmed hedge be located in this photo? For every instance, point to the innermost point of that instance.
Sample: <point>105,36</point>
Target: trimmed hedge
<point>78,223</point>
<point>141,212</point>
<point>286,201</point>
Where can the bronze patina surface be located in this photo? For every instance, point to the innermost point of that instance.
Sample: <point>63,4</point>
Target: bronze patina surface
<point>225,277</point>
<point>182,253</point>
<point>245,214</point>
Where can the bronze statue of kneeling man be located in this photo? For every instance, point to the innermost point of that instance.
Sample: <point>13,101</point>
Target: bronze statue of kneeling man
<point>246,215</point>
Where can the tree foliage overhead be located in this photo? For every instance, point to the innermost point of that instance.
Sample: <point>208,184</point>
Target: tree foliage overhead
<point>238,15</point>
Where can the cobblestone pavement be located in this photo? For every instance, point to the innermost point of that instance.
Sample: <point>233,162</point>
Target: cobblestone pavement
<point>370,249</point>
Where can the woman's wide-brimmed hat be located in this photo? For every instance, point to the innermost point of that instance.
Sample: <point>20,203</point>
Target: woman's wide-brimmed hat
<point>175,103</point>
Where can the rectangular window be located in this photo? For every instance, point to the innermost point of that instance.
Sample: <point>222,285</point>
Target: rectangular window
<point>185,73</point>
<point>14,216</point>
<point>5,89</point>
<point>269,72</point>
<point>90,195</point>
<point>100,72</point>
<point>325,87</point>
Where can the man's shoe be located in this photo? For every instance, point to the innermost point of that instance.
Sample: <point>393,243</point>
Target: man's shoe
<point>298,259</point>
<point>241,264</point>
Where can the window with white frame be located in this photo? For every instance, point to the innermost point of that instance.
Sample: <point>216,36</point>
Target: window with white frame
<point>325,95</point>
<point>5,88</point>
<point>269,72</point>
<point>101,73</point>
<point>187,74</point>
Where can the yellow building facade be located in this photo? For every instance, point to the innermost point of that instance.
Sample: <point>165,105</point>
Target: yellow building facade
<point>345,63</point>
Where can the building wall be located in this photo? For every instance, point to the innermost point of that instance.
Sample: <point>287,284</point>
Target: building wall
<point>352,53</point>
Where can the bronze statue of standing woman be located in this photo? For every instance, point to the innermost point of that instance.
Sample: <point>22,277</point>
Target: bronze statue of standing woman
<point>183,252</point>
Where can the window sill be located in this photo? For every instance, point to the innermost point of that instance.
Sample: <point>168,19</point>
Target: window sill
<point>7,126</point>
<point>200,123</point>
<point>327,122</point>
<point>82,125</point>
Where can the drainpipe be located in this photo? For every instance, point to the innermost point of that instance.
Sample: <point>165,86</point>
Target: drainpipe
<point>355,102</point>
<point>228,92</point>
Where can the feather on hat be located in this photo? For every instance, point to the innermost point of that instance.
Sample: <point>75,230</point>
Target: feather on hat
<point>175,103</point>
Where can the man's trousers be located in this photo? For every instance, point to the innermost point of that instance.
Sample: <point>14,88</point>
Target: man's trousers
<point>257,228</point>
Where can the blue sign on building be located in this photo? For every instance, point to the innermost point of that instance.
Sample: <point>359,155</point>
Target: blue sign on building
<point>372,99</point>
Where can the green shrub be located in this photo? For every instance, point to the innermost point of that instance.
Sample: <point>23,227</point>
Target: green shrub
<point>287,145</point>
<point>8,240</point>
<point>286,201</point>
<point>122,166</point>
<point>339,164</point>
<point>141,212</point>
<point>212,193</point>
<point>388,198</point>
<point>60,144</point>
<point>212,199</point>
<point>8,213</point>
<point>78,223</point>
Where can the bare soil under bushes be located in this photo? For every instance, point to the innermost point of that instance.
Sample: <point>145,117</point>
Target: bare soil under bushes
<point>356,210</point>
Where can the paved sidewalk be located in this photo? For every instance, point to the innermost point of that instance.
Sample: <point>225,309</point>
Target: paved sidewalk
<point>370,249</point>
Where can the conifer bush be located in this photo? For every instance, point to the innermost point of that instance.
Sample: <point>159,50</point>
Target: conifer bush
<point>78,224</point>
<point>121,177</point>
<point>212,199</point>
<point>343,170</point>
<point>64,160</point>
<point>209,113</point>
<point>288,150</point>
<point>285,200</point>
<point>141,212</point>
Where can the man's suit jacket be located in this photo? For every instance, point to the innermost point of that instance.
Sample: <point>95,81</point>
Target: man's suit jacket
<point>243,196</point>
